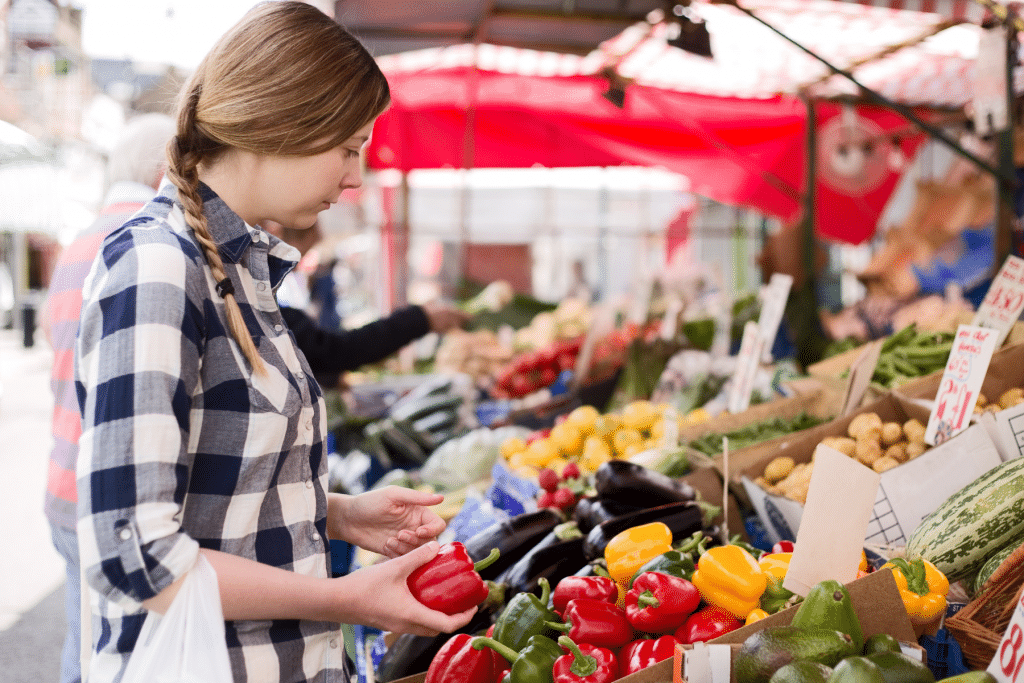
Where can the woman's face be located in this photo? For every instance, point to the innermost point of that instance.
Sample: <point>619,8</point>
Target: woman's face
<point>293,190</point>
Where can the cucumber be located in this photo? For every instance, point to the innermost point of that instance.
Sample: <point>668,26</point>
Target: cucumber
<point>973,523</point>
<point>993,562</point>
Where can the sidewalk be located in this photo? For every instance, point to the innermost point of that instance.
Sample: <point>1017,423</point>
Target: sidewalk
<point>31,571</point>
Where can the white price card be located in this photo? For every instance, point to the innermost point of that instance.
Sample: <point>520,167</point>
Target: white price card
<point>1008,664</point>
<point>860,376</point>
<point>707,663</point>
<point>773,304</point>
<point>1004,301</point>
<point>961,382</point>
<point>747,362</point>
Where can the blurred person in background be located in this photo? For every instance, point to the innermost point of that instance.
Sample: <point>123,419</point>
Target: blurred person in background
<point>333,352</point>
<point>134,168</point>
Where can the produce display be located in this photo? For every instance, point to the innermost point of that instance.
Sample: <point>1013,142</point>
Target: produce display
<point>909,354</point>
<point>749,435</point>
<point>870,441</point>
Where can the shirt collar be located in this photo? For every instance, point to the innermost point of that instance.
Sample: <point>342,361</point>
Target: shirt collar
<point>227,229</point>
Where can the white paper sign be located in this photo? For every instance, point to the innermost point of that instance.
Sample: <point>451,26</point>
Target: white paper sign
<point>707,663</point>
<point>773,305</point>
<point>1004,301</point>
<point>990,106</point>
<point>1008,664</point>
<point>835,520</point>
<point>961,382</point>
<point>747,362</point>
<point>860,376</point>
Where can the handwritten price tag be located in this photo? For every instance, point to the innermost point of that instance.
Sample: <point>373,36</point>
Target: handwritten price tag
<point>1008,664</point>
<point>1004,302</point>
<point>961,382</point>
<point>747,361</point>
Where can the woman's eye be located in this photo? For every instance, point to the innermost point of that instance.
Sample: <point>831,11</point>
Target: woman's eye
<point>351,153</point>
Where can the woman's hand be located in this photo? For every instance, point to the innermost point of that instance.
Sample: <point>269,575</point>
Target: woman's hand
<point>391,521</point>
<point>378,596</point>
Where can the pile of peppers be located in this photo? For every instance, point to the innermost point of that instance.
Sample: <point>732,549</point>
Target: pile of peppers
<point>598,628</point>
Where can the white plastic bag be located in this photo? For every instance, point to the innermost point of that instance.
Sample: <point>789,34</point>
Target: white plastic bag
<point>185,645</point>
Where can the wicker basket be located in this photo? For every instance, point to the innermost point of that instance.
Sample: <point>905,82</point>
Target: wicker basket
<point>980,625</point>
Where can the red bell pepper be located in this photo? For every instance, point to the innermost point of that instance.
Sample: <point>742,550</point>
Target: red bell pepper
<point>601,588</point>
<point>646,652</point>
<point>595,622</point>
<point>459,662</point>
<point>783,547</point>
<point>585,664</point>
<point>449,583</point>
<point>707,624</point>
<point>660,603</point>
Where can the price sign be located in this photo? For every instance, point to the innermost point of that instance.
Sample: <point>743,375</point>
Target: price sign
<point>1004,302</point>
<point>961,382</point>
<point>773,305</point>
<point>747,362</point>
<point>1008,664</point>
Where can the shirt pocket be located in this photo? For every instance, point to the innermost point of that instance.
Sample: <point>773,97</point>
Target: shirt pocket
<point>273,391</point>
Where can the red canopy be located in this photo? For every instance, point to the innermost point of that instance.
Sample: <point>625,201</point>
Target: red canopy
<point>740,152</point>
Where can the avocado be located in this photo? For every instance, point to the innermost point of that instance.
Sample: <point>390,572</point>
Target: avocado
<point>829,606</point>
<point>802,671</point>
<point>880,642</point>
<point>971,677</point>
<point>856,670</point>
<point>768,650</point>
<point>897,667</point>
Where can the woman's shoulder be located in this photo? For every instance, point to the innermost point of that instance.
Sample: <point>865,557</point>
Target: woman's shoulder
<point>157,230</point>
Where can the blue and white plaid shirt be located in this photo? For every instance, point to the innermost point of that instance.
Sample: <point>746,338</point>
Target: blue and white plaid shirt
<point>183,447</point>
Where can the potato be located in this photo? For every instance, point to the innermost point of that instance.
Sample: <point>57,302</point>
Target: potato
<point>914,431</point>
<point>1011,397</point>
<point>868,451</point>
<point>843,444</point>
<point>897,451</point>
<point>864,425</point>
<point>891,433</point>
<point>916,448</point>
<point>884,463</point>
<point>982,401</point>
<point>778,469</point>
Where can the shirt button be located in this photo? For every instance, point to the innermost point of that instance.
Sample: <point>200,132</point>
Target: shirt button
<point>316,537</point>
<point>125,534</point>
<point>255,237</point>
<point>278,328</point>
<point>334,643</point>
<point>261,286</point>
<point>299,375</point>
<point>309,484</point>
<point>309,425</point>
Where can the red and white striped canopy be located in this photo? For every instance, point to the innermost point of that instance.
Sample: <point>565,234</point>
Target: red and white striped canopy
<point>751,61</point>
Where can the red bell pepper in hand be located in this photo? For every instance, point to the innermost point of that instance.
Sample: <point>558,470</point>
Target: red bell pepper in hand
<point>459,662</point>
<point>601,588</point>
<point>585,664</point>
<point>707,624</point>
<point>660,603</point>
<point>595,622</point>
<point>449,583</point>
<point>646,652</point>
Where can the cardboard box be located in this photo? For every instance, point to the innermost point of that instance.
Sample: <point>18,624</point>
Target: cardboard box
<point>1005,371</point>
<point>876,601</point>
<point>906,494</point>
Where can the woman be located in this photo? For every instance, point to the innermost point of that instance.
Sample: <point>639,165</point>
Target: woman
<point>203,429</point>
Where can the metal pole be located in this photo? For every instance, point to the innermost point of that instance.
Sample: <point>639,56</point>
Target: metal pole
<point>1006,215</point>
<point>810,190</point>
<point>902,110</point>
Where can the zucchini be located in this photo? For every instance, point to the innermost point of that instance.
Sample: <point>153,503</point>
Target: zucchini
<point>414,410</point>
<point>973,523</point>
<point>401,444</point>
<point>993,562</point>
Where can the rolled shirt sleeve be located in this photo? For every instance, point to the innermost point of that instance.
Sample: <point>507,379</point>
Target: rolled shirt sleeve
<point>137,366</point>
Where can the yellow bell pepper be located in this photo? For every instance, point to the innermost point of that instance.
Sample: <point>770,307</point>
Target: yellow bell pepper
<point>922,587</point>
<point>633,548</point>
<point>756,614</point>
<point>729,577</point>
<point>776,564</point>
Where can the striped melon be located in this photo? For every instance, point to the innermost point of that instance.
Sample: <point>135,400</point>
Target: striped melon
<point>973,523</point>
<point>993,562</point>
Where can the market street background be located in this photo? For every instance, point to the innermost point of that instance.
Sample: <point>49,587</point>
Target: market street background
<point>31,571</point>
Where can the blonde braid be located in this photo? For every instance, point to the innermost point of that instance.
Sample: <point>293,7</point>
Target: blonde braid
<point>184,152</point>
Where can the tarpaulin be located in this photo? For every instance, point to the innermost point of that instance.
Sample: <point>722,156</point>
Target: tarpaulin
<point>742,152</point>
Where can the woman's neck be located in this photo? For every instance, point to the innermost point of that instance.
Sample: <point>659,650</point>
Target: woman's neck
<point>229,176</point>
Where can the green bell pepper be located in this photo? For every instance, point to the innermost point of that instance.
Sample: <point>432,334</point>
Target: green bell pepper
<point>533,664</point>
<point>775,598</point>
<point>524,617</point>
<point>673,562</point>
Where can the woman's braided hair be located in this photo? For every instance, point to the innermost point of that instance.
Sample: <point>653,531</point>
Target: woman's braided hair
<point>287,80</point>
